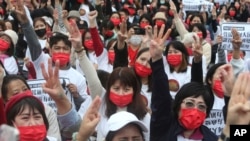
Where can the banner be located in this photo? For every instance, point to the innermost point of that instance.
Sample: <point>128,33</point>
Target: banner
<point>215,121</point>
<point>197,5</point>
<point>36,88</point>
<point>244,31</point>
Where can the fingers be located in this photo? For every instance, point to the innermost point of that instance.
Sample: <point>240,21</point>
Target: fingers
<point>155,32</point>
<point>167,34</point>
<point>161,31</point>
<point>237,86</point>
<point>95,105</point>
<point>50,70</point>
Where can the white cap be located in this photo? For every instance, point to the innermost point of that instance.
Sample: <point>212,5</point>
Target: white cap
<point>12,34</point>
<point>121,119</point>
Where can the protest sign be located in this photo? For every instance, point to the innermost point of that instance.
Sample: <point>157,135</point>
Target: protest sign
<point>215,121</point>
<point>222,1</point>
<point>197,5</point>
<point>36,88</point>
<point>244,31</point>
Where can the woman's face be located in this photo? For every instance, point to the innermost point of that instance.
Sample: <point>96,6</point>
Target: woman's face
<point>28,117</point>
<point>39,25</point>
<point>196,30</point>
<point>120,89</point>
<point>128,133</point>
<point>6,38</point>
<point>15,87</point>
<point>87,36</point>
<point>144,58</point>
<point>144,20</point>
<point>115,15</point>
<point>195,20</point>
<point>192,102</point>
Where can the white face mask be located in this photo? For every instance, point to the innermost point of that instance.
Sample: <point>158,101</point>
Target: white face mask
<point>135,40</point>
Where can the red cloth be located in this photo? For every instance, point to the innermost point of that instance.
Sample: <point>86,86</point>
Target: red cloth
<point>132,56</point>
<point>2,113</point>
<point>97,43</point>
<point>31,70</point>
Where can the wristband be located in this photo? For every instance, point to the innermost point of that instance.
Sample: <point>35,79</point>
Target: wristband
<point>224,138</point>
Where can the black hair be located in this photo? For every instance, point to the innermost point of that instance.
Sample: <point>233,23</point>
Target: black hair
<point>201,27</point>
<point>146,16</point>
<point>56,37</point>
<point>103,77</point>
<point>197,15</point>
<point>6,81</point>
<point>19,107</point>
<point>192,89</point>
<point>211,72</point>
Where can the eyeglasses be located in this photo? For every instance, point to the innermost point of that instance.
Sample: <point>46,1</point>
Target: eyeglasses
<point>189,103</point>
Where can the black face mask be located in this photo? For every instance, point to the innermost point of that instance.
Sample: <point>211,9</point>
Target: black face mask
<point>40,32</point>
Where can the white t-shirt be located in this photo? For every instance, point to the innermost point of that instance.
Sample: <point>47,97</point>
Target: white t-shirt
<point>10,65</point>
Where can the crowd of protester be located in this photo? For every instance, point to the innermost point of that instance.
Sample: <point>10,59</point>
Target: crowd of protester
<point>122,70</point>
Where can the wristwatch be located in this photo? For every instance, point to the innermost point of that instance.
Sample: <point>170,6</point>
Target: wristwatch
<point>224,138</point>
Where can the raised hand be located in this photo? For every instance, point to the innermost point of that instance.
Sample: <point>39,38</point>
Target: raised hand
<point>225,74</point>
<point>52,86</point>
<point>92,18</point>
<point>148,34</point>
<point>55,15</point>
<point>73,90</point>
<point>20,12</point>
<point>239,104</point>
<point>90,120</point>
<point>172,7</point>
<point>157,44</point>
<point>122,34</point>
<point>75,36</point>
<point>236,41</point>
<point>197,49</point>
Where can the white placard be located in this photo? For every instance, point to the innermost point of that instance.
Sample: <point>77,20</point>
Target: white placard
<point>244,31</point>
<point>197,5</point>
<point>215,121</point>
<point>222,1</point>
<point>36,88</point>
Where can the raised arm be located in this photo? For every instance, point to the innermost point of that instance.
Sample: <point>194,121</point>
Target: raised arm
<point>161,99</point>
<point>29,33</point>
<point>87,67</point>
<point>97,43</point>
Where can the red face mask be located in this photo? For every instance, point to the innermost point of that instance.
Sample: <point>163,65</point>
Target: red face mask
<point>142,70</point>
<point>229,57</point>
<point>62,57</point>
<point>232,13</point>
<point>188,21</point>
<point>159,23</point>
<point>143,24</point>
<point>217,88</point>
<point>120,100</point>
<point>111,56</point>
<point>4,45</point>
<point>171,13</point>
<point>32,133</point>
<point>1,12</point>
<point>89,44</point>
<point>191,118</point>
<point>108,33</point>
<point>131,11</point>
<point>122,18</point>
<point>115,21</point>
<point>174,59</point>
<point>190,51</point>
<point>132,54</point>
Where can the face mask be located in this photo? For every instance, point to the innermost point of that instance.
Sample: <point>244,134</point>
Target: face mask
<point>1,12</point>
<point>192,118</point>
<point>232,13</point>
<point>171,13</point>
<point>32,133</point>
<point>229,57</point>
<point>190,51</point>
<point>111,56</point>
<point>121,100</point>
<point>217,88</point>
<point>89,44</point>
<point>109,33</point>
<point>131,11</point>
<point>135,40</point>
<point>159,23</point>
<point>174,59</point>
<point>62,57</point>
<point>115,21</point>
<point>143,24</point>
<point>132,54</point>
<point>142,70</point>
<point>40,32</point>
<point>4,45</point>
<point>188,21</point>
<point>131,1</point>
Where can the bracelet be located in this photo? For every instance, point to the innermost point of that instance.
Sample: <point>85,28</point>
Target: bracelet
<point>223,137</point>
<point>74,136</point>
<point>79,51</point>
